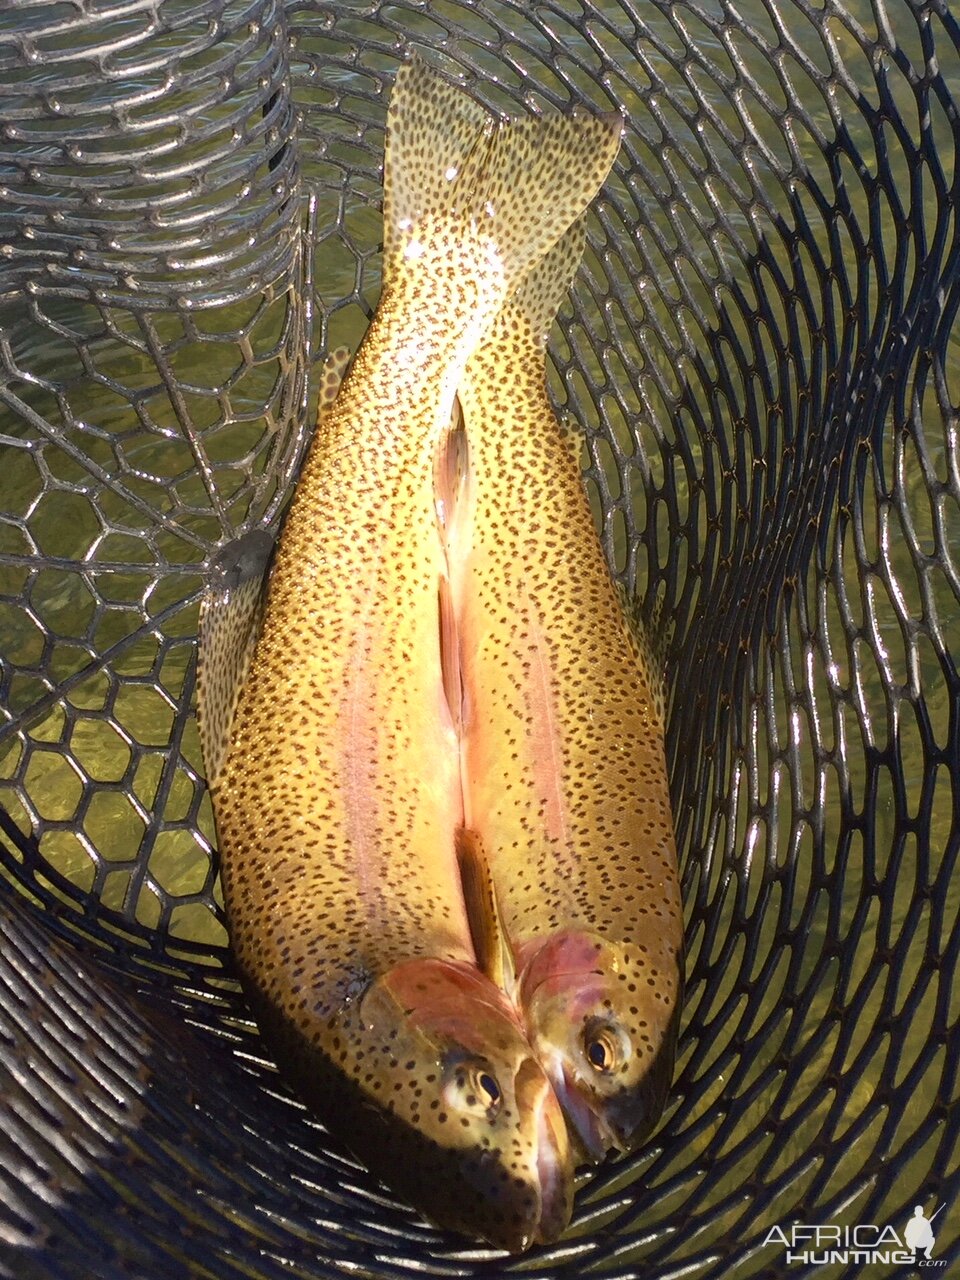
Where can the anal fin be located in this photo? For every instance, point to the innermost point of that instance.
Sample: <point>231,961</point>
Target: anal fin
<point>450,473</point>
<point>490,942</point>
<point>230,618</point>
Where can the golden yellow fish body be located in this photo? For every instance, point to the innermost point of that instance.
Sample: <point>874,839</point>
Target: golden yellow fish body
<point>342,777</point>
<point>564,771</point>
<point>340,794</point>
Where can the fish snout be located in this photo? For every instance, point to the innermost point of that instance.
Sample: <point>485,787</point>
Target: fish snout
<point>592,1133</point>
<point>634,1113</point>
<point>630,1121</point>
<point>553,1162</point>
<point>617,1122</point>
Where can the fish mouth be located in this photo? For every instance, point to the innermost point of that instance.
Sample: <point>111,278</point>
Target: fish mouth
<point>553,1173</point>
<point>552,1163</point>
<point>593,1137</point>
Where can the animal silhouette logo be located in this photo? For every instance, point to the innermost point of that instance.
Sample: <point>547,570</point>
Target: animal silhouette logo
<point>918,1233</point>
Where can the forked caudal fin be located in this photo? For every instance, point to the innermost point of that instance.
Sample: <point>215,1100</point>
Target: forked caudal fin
<point>506,189</point>
<point>541,294</point>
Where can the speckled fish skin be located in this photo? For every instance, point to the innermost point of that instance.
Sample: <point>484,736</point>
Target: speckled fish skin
<point>339,795</point>
<point>563,763</point>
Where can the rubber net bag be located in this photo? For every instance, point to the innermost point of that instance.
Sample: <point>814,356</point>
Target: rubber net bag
<point>762,353</point>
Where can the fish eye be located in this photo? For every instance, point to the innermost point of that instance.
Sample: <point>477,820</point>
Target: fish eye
<point>606,1048</point>
<point>489,1087</point>
<point>598,1051</point>
<point>472,1087</point>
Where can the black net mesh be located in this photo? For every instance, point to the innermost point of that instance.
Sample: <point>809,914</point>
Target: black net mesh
<point>762,350</point>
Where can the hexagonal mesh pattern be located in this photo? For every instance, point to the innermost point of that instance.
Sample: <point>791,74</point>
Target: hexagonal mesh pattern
<point>762,351</point>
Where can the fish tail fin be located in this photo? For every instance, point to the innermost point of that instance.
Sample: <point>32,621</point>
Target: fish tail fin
<point>543,290</point>
<point>432,128</point>
<point>484,195</point>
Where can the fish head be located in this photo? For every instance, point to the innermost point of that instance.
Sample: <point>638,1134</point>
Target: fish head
<point>602,1017</point>
<point>456,1111</point>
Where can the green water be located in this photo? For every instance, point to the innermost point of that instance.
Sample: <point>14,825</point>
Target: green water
<point>141,838</point>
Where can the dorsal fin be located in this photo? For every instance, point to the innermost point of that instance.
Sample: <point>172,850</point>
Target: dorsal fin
<point>490,942</point>
<point>331,375</point>
<point>230,618</point>
<point>232,611</point>
<point>649,643</point>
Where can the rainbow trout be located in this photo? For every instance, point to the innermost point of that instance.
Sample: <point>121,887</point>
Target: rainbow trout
<point>564,776</point>
<point>336,782</point>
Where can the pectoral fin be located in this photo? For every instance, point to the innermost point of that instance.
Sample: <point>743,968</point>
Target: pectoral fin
<point>490,942</point>
<point>230,618</point>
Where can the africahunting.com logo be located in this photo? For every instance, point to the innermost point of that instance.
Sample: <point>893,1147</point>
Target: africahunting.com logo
<point>825,1244</point>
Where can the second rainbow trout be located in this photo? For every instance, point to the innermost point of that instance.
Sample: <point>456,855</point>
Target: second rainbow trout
<point>563,769</point>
